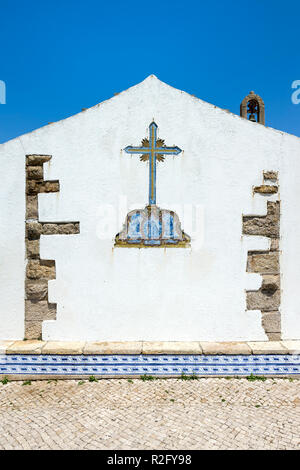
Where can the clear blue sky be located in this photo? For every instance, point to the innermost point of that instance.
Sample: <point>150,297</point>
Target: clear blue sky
<point>58,57</point>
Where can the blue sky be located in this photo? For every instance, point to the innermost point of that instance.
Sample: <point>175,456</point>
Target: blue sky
<point>58,57</point>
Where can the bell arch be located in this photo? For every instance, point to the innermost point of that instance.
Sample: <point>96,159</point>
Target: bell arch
<point>253,108</point>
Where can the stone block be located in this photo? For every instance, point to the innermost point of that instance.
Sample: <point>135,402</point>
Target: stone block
<point>4,345</point>
<point>263,263</point>
<point>69,229</point>
<point>35,187</point>
<point>39,310</point>
<point>273,211</point>
<point>113,347</point>
<point>267,226</point>
<point>33,230</point>
<point>51,229</point>
<point>26,347</point>
<point>267,347</point>
<point>292,345</point>
<point>270,175</point>
<point>260,226</point>
<point>233,347</point>
<point>33,248</point>
<point>34,172</point>
<point>274,244</point>
<point>49,187</point>
<point>265,189</point>
<point>271,322</point>
<point>36,269</point>
<point>270,283</point>
<point>60,229</point>
<point>32,207</point>
<point>32,187</point>
<point>274,336</point>
<point>37,159</point>
<point>63,347</point>
<point>257,300</point>
<point>36,290</point>
<point>171,347</point>
<point>33,329</point>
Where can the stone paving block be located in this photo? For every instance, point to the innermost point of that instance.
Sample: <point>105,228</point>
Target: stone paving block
<point>171,347</point>
<point>267,347</point>
<point>150,347</point>
<point>63,347</point>
<point>4,344</point>
<point>162,414</point>
<point>233,347</point>
<point>292,345</point>
<point>26,347</point>
<point>113,347</point>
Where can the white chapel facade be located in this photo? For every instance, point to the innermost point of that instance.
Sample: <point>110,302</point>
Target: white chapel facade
<point>151,216</point>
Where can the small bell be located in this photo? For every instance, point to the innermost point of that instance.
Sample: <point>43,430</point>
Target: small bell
<point>252,117</point>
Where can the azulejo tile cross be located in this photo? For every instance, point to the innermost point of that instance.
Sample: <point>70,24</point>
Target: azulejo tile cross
<point>152,226</point>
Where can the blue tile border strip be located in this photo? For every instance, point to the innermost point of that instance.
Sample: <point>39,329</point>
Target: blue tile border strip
<point>155,365</point>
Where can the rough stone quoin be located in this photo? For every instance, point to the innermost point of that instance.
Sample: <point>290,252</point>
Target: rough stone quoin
<point>270,176</point>
<point>266,263</point>
<point>38,272</point>
<point>31,207</point>
<point>36,290</point>
<point>266,189</point>
<point>267,226</point>
<point>263,263</point>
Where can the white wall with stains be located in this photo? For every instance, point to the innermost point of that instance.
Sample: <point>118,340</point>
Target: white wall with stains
<point>107,293</point>
<point>12,240</point>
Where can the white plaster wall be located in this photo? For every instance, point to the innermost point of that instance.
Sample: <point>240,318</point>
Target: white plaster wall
<point>290,237</point>
<point>106,293</point>
<point>12,240</point>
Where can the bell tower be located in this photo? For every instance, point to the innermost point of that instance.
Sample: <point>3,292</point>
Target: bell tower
<point>253,108</point>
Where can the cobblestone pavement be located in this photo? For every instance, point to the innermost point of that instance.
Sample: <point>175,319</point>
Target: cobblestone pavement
<point>159,414</point>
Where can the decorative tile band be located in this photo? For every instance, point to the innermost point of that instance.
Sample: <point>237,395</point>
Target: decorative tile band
<point>155,365</point>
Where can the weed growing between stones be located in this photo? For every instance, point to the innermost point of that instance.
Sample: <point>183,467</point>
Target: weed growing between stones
<point>252,378</point>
